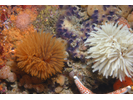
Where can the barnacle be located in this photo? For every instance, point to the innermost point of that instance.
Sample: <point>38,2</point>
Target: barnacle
<point>41,55</point>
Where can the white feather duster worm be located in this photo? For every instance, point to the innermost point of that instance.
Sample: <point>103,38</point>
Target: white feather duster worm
<point>112,50</point>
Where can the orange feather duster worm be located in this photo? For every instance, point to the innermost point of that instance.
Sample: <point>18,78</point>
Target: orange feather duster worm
<point>41,55</point>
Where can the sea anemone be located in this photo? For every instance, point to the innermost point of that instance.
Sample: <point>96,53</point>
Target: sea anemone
<point>41,55</point>
<point>111,47</point>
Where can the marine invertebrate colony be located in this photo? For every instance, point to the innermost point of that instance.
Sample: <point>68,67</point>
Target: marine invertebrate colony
<point>69,28</point>
<point>47,17</point>
<point>5,72</point>
<point>41,55</point>
<point>112,50</point>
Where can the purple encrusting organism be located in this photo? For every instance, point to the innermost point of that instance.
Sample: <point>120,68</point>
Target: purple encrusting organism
<point>72,36</point>
<point>105,7</point>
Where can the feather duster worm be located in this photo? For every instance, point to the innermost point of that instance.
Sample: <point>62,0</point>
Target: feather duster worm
<point>41,55</point>
<point>112,50</point>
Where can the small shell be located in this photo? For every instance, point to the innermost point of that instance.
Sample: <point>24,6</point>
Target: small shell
<point>60,79</point>
<point>58,89</point>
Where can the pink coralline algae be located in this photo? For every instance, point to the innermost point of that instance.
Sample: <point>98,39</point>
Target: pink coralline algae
<point>23,21</point>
